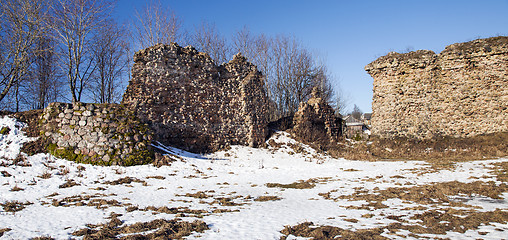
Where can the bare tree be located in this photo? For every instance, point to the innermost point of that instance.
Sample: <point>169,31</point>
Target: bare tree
<point>43,84</point>
<point>75,23</point>
<point>293,74</point>
<point>156,24</point>
<point>21,25</point>
<point>357,112</point>
<point>341,102</point>
<point>111,58</point>
<point>207,39</point>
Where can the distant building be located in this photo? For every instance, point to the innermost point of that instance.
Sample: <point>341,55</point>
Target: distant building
<point>354,126</point>
<point>366,119</point>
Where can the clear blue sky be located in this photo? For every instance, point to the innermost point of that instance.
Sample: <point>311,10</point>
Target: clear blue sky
<point>348,34</point>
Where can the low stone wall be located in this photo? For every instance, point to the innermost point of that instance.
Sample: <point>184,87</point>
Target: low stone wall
<point>105,134</point>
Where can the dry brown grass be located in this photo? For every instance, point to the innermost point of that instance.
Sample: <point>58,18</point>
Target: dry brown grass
<point>158,229</point>
<point>69,183</point>
<point>435,221</point>
<point>5,174</point>
<point>14,206</point>
<point>45,175</point>
<point>296,185</point>
<point>125,180</point>
<point>267,198</point>
<point>16,189</point>
<point>454,149</point>
<point>436,193</point>
<point>4,230</point>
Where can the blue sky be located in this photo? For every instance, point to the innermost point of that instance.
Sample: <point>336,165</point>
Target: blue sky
<point>348,34</point>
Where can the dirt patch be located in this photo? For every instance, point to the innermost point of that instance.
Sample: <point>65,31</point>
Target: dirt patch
<point>158,229</point>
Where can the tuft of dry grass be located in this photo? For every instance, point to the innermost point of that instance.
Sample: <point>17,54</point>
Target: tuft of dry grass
<point>158,229</point>
<point>4,230</point>
<point>45,175</point>
<point>267,198</point>
<point>16,189</point>
<point>14,206</point>
<point>125,180</point>
<point>296,185</point>
<point>5,174</point>
<point>69,183</point>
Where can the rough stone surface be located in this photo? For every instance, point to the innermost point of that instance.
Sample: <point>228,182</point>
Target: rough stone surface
<point>315,121</point>
<point>112,147</point>
<point>194,104</point>
<point>461,92</point>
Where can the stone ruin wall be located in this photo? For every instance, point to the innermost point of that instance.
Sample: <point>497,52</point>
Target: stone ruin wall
<point>194,104</point>
<point>461,92</point>
<point>315,121</point>
<point>105,134</point>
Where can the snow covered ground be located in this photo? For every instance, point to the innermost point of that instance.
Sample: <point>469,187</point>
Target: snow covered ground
<point>239,193</point>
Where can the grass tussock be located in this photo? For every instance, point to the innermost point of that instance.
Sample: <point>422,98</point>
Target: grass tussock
<point>14,206</point>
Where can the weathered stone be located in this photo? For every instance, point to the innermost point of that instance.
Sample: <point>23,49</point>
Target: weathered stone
<point>85,139</point>
<point>461,92</point>
<point>315,121</point>
<point>194,104</point>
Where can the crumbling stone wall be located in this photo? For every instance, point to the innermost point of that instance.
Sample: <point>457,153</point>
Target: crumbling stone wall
<point>315,121</point>
<point>461,92</point>
<point>194,104</point>
<point>104,134</point>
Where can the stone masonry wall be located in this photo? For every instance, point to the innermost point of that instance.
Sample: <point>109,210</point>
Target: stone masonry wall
<point>105,134</point>
<point>192,103</point>
<point>461,92</point>
<point>315,121</point>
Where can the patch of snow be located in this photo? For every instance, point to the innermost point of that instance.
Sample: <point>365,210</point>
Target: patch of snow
<point>241,173</point>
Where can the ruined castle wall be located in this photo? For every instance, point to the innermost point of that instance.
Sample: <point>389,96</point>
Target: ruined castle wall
<point>105,134</point>
<point>461,92</point>
<point>194,104</point>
